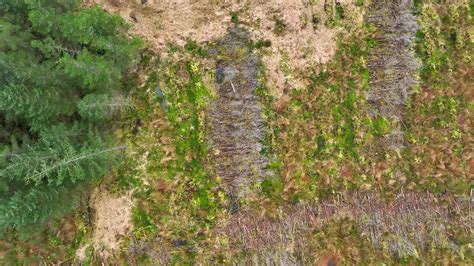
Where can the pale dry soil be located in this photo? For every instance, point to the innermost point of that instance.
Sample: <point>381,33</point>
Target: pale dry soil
<point>112,221</point>
<point>302,46</point>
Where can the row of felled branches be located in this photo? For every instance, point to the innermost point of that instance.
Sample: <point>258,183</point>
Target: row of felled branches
<point>408,225</point>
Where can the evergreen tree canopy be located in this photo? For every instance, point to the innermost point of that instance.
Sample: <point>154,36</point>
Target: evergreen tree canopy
<point>61,72</point>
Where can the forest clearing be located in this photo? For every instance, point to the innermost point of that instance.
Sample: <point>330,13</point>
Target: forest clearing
<point>215,132</point>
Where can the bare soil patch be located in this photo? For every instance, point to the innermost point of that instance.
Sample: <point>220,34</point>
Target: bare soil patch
<point>305,41</point>
<point>112,221</point>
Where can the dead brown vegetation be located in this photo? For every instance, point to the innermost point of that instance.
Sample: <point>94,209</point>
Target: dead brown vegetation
<point>393,65</point>
<point>112,222</point>
<point>406,226</point>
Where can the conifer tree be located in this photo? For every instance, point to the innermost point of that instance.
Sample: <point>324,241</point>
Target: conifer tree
<point>61,155</point>
<point>25,210</point>
<point>99,107</point>
<point>37,105</point>
<point>61,72</point>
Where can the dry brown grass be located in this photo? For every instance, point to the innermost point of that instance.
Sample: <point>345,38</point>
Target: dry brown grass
<point>302,46</point>
<point>112,222</point>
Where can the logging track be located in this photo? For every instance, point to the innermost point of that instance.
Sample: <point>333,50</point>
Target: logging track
<point>236,124</point>
<point>393,65</point>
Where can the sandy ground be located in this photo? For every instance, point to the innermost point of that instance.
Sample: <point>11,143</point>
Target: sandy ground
<point>112,220</point>
<point>299,47</point>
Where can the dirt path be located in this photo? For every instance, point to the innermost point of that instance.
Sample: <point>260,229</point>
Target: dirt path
<point>392,65</point>
<point>236,124</point>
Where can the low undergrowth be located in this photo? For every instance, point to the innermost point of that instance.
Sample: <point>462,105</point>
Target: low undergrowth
<point>323,145</point>
<point>321,132</point>
<point>439,118</point>
<point>327,145</point>
<point>178,200</point>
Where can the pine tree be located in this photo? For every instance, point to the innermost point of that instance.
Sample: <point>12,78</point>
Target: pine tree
<point>12,37</point>
<point>93,28</point>
<point>92,72</point>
